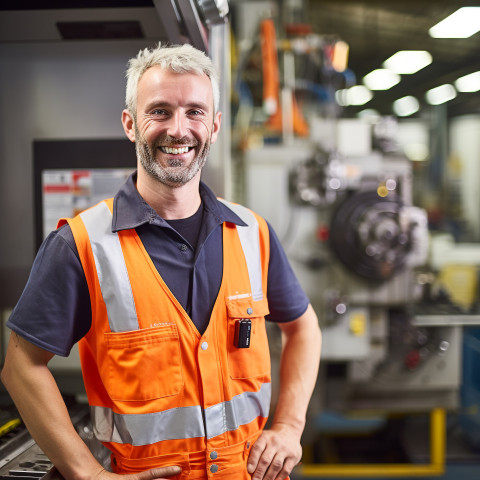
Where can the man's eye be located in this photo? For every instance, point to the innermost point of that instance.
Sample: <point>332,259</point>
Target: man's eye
<point>195,113</point>
<point>159,112</point>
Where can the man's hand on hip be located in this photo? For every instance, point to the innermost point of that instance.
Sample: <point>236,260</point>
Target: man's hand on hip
<point>274,454</point>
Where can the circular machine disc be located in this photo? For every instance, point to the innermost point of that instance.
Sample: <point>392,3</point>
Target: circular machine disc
<point>368,235</point>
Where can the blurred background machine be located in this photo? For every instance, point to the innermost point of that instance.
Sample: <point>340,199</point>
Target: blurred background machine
<point>355,242</point>
<point>361,251</point>
<point>340,197</point>
<point>393,297</point>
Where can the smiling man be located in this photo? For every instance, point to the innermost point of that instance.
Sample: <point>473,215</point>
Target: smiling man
<point>167,290</point>
<point>173,129</point>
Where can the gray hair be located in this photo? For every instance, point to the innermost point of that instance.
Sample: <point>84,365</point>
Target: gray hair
<point>176,58</point>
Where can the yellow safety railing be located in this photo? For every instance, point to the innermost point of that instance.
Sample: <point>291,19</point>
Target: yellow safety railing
<point>435,467</point>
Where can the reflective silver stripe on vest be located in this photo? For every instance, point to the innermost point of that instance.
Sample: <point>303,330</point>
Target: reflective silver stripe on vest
<point>249,238</point>
<point>148,428</point>
<point>111,269</point>
<point>240,410</point>
<point>180,423</point>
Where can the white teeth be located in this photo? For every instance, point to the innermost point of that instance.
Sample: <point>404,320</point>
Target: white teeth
<point>174,151</point>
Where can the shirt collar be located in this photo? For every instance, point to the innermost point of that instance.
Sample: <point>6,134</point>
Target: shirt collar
<point>130,210</point>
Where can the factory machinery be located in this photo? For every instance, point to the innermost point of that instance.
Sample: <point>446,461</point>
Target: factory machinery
<point>21,457</point>
<point>358,246</point>
<point>360,249</point>
<point>391,297</point>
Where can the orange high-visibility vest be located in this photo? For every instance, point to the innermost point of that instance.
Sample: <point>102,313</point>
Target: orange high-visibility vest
<point>160,392</point>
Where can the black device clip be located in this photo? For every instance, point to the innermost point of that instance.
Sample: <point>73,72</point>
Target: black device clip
<point>243,329</point>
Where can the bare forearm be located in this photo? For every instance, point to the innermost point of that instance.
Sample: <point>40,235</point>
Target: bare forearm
<point>298,371</point>
<point>278,449</point>
<point>43,411</point>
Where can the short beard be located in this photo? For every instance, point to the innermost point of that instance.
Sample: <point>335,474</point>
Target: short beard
<point>172,178</point>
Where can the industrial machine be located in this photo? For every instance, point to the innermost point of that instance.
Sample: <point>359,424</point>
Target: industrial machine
<point>21,457</point>
<point>358,247</point>
<point>340,197</point>
<point>355,242</point>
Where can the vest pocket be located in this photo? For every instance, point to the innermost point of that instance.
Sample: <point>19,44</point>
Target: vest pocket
<point>253,361</point>
<point>143,364</point>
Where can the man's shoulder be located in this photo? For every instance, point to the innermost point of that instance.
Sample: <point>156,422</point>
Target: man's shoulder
<point>58,238</point>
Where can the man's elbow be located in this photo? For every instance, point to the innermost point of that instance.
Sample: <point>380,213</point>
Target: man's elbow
<point>5,374</point>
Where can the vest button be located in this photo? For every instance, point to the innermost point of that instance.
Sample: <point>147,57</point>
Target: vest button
<point>183,247</point>
<point>214,468</point>
<point>204,345</point>
<point>249,311</point>
<point>213,455</point>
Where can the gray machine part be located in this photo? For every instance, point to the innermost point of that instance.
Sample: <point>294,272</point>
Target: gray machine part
<point>362,276</point>
<point>21,457</point>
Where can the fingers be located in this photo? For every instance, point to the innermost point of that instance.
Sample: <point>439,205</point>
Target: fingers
<point>275,468</point>
<point>272,468</point>
<point>255,454</point>
<point>272,458</point>
<point>158,473</point>
<point>286,469</point>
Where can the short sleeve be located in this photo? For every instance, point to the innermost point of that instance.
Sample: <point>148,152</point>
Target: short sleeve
<point>54,309</point>
<point>286,298</point>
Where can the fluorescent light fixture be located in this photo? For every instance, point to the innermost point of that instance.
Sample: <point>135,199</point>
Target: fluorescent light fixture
<point>341,96</point>
<point>359,95</point>
<point>441,94</point>
<point>468,83</point>
<point>356,95</point>
<point>408,61</point>
<point>406,106</point>
<point>381,79</point>
<point>463,23</point>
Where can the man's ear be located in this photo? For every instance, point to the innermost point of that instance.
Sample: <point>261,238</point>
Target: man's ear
<point>128,125</point>
<point>216,127</point>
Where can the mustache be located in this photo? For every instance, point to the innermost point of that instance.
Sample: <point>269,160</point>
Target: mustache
<point>168,141</point>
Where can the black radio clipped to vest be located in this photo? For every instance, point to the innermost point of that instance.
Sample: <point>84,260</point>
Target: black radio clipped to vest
<point>243,329</point>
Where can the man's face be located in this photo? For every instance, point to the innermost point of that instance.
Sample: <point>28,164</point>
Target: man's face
<point>175,125</point>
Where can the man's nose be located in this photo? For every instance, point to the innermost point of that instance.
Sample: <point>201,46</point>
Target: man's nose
<point>177,125</point>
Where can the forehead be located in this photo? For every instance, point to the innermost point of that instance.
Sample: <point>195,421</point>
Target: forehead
<point>176,87</point>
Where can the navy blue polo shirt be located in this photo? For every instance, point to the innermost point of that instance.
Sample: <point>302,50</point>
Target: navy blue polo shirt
<point>54,309</point>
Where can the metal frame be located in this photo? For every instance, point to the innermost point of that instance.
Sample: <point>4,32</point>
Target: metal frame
<point>181,21</point>
<point>170,18</point>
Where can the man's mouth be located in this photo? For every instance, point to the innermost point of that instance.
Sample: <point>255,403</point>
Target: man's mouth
<point>175,150</point>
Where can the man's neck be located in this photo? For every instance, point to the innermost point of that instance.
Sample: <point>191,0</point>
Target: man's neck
<point>170,203</point>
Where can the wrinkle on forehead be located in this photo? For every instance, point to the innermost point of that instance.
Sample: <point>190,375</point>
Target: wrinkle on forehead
<point>167,86</point>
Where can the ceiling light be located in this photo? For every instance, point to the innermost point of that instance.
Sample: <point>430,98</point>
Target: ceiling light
<point>356,95</point>
<point>463,23</point>
<point>359,95</point>
<point>406,106</point>
<point>468,83</point>
<point>441,94</point>
<point>381,79</point>
<point>408,61</point>
<point>341,96</point>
